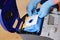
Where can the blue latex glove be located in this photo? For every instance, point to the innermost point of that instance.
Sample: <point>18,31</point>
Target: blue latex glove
<point>32,7</point>
<point>35,28</point>
<point>44,9</point>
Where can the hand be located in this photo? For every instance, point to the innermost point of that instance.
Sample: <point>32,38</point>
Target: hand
<point>31,7</point>
<point>45,8</point>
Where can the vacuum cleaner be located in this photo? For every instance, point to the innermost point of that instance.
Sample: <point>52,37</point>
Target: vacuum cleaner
<point>9,13</point>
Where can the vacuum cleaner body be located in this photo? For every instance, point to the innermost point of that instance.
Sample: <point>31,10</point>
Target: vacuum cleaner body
<point>8,15</point>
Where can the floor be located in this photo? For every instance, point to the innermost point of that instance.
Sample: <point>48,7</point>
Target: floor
<point>4,35</point>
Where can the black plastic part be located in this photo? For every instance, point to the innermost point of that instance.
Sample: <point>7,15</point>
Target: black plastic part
<point>9,15</point>
<point>21,31</point>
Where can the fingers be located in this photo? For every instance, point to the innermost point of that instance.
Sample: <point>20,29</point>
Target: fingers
<point>44,9</point>
<point>31,8</point>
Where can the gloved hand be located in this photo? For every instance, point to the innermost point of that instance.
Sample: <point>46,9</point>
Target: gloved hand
<point>35,28</point>
<point>31,7</point>
<point>44,9</point>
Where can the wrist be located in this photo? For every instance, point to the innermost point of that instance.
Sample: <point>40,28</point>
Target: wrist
<point>55,1</point>
<point>50,3</point>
